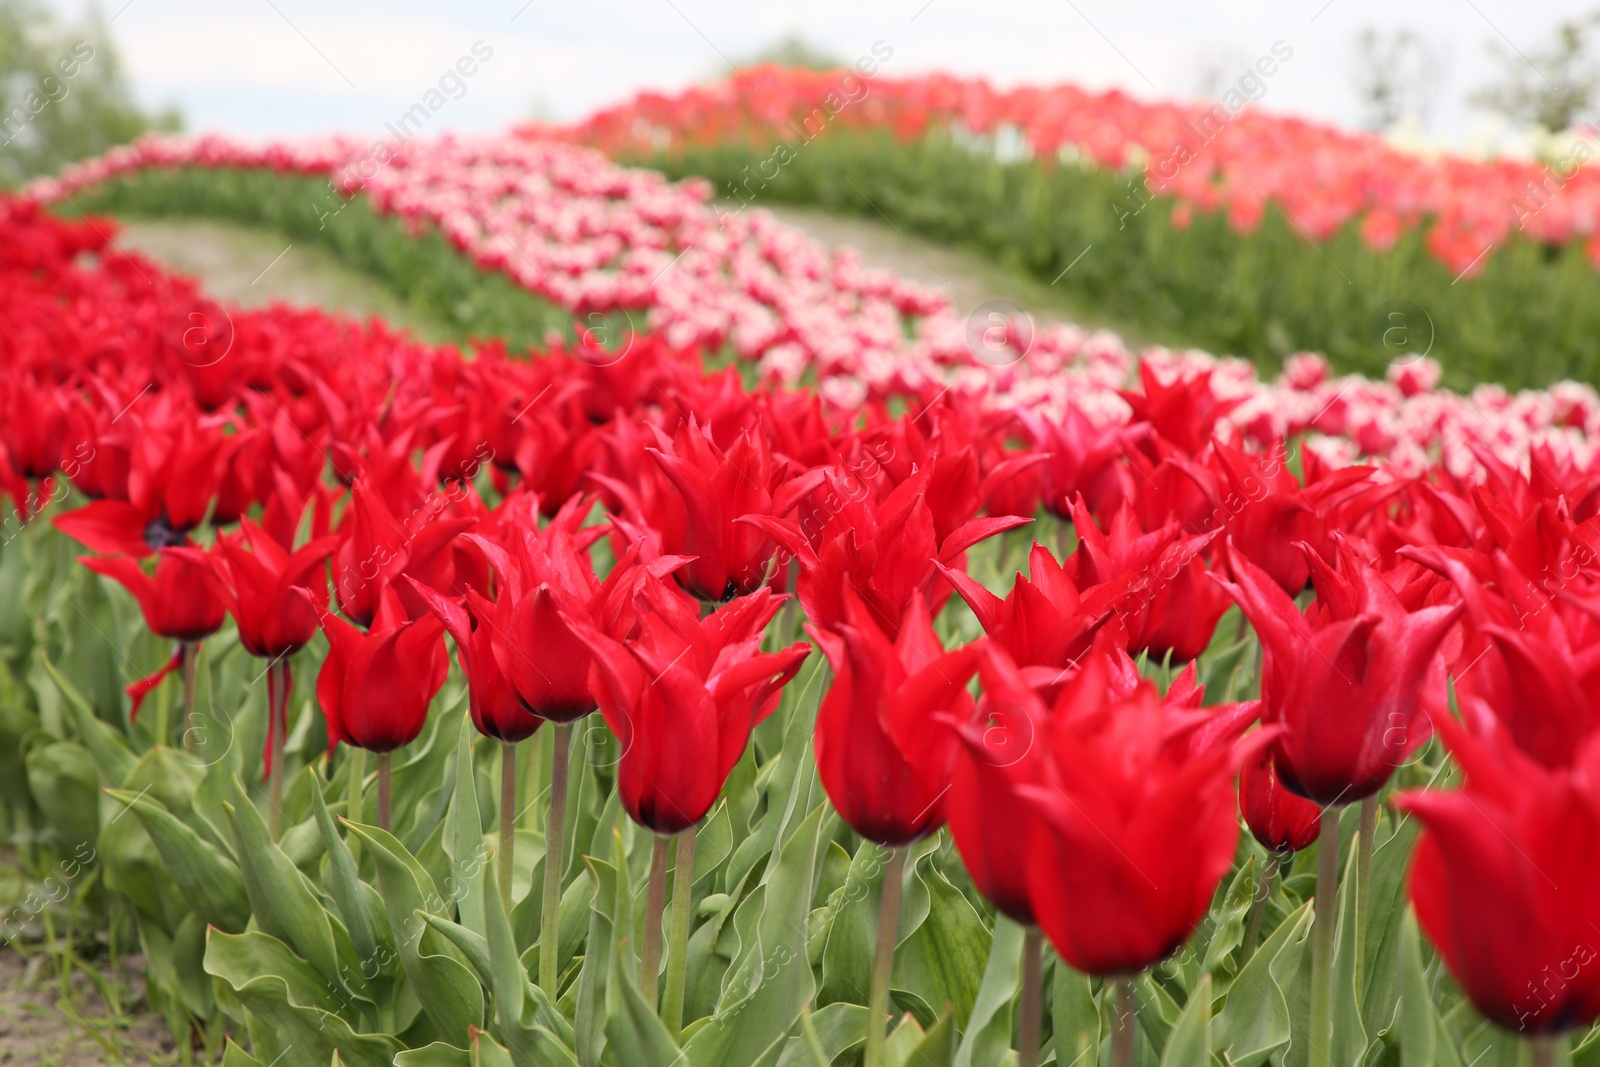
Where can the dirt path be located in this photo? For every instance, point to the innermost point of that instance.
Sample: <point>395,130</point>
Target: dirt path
<point>253,267</point>
<point>966,277</point>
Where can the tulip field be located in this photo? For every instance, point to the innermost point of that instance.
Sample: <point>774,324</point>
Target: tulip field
<point>726,654</point>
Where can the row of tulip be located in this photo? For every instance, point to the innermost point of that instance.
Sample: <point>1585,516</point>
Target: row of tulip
<point>615,531</point>
<point>1224,156</point>
<point>616,246</point>
<point>1520,316</point>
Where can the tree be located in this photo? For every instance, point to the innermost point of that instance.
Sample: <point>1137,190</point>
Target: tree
<point>1396,77</point>
<point>1554,87</point>
<point>792,50</point>
<point>62,93</point>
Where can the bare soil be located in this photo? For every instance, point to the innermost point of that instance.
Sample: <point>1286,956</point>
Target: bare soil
<point>47,1023</point>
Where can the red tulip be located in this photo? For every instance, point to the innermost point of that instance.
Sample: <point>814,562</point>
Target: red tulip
<point>1346,680</point>
<point>534,646</point>
<point>885,765</point>
<point>991,823</point>
<point>1528,662</point>
<point>1266,511</point>
<point>275,596</point>
<point>182,601</point>
<point>1281,821</point>
<point>1081,458</point>
<point>714,489</point>
<point>1503,880</point>
<point>376,685</point>
<point>497,709</point>
<point>1136,827</point>
<point>886,551</point>
<point>1184,411</point>
<point>682,697</point>
<point>172,480</point>
<point>1046,620</point>
<point>1169,607</point>
<point>945,437</point>
<point>34,425</point>
<point>377,548</point>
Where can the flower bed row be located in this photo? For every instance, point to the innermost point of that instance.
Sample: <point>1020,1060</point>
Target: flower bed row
<point>747,857</point>
<point>1217,225</point>
<point>1206,156</point>
<point>619,247</point>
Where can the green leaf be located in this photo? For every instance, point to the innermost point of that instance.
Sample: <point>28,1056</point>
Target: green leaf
<point>352,896</point>
<point>1424,1041</point>
<point>449,992</point>
<point>987,1039</point>
<point>711,952</point>
<point>194,987</point>
<point>487,1052</point>
<point>937,1047</point>
<point>474,946</point>
<point>524,1014</point>
<point>234,1056</point>
<point>903,1040</point>
<point>1255,1021</point>
<point>239,958</point>
<point>837,1028</point>
<point>437,1054</point>
<point>1074,1016</point>
<point>769,985</point>
<point>1386,911</point>
<point>1227,921</point>
<point>109,749</point>
<point>1349,1036</point>
<point>66,787</point>
<point>589,1023</point>
<point>132,868</point>
<point>285,903</point>
<point>811,1052</point>
<point>713,842</point>
<point>1158,1011</point>
<point>464,836</point>
<point>209,881</point>
<point>793,762</point>
<point>852,928</point>
<point>1219,670</point>
<point>1189,1044</point>
<point>293,1001</point>
<point>942,960</point>
<point>633,1031</point>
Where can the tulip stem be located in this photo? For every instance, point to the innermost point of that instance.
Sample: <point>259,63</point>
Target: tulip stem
<point>1122,1038</point>
<point>554,842</point>
<point>191,661</point>
<point>655,903</point>
<point>508,817</point>
<point>1032,980</point>
<point>1258,906</point>
<point>1322,931</point>
<point>1367,829</point>
<point>385,790</point>
<point>1544,1050</point>
<point>678,936</point>
<point>278,725</point>
<point>883,956</point>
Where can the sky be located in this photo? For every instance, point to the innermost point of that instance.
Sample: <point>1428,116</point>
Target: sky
<point>259,68</point>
